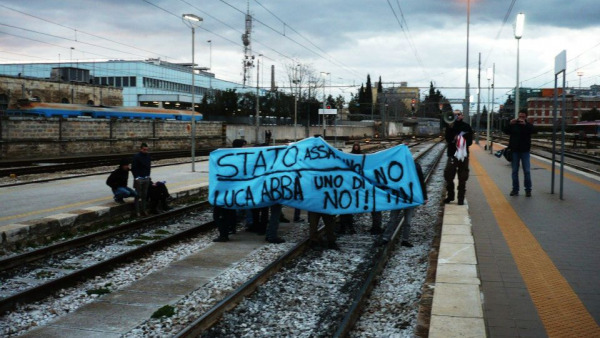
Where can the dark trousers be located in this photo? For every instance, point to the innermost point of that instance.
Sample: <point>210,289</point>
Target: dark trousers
<point>260,218</point>
<point>313,225</point>
<point>454,167</point>
<point>224,219</point>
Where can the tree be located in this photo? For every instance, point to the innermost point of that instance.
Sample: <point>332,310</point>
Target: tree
<point>430,107</point>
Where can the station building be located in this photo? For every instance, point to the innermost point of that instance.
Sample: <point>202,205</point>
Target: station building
<point>151,82</point>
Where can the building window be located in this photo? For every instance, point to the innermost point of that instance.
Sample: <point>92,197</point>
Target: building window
<point>118,81</point>
<point>126,81</point>
<point>132,81</point>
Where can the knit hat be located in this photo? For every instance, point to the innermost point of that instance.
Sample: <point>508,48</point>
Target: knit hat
<point>124,161</point>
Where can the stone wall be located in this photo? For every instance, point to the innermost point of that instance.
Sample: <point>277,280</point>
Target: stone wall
<point>34,137</point>
<point>15,88</point>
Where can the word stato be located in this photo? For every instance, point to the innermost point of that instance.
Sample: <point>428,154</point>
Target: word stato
<point>311,175</point>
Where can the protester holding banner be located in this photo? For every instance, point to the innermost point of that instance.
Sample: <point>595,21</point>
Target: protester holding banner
<point>313,225</point>
<point>314,176</point>
<point>408,215</point>
<point>347,220</point>
<point>223,217</point>
<point>459,137</point>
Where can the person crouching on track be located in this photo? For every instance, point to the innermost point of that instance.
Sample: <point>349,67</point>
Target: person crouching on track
<point>117,181</point>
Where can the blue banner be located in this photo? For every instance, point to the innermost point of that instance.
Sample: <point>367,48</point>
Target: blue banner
<point>311,175</point>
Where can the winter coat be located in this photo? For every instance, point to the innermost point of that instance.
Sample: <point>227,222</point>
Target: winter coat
<point>520,136</point>
<point>140,165</point>
<point>118,178</point>
<point>456,128</point>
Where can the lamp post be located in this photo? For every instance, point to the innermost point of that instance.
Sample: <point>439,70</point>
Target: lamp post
<point>489,114</point>
<point>257,121</point>
<point>324,74</point>
<point>467,101</point>
<point>193,21</point>
<point>518,34</point>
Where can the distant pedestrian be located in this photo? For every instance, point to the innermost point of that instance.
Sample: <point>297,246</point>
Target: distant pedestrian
<point>140,168</point>
<point>459,137</point>
<point>117,181</point>
<point>520,131</point>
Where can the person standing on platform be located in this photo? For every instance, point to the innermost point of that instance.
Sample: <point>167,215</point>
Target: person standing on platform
<point>117,181</point>
<point>459,136</point>
<point>140,168</point>
<point>520,131</point>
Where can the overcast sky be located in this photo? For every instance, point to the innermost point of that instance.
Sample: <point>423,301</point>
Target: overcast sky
<point>413,41</point>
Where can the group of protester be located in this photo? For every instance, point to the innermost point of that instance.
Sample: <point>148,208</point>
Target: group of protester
<point>148,195</point>
<point>265,221</point>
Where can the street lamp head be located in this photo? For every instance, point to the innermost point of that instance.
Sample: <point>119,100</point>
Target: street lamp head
<point>519,25</point>
<point>489,73</point>
<point>192,20</point>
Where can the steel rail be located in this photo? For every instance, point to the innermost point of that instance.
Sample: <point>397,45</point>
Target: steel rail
<point>378,263</point>
<point>43,290</point>
<point>212,316</point>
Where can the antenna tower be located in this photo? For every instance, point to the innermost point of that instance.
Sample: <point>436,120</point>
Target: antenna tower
<point>248,61</point>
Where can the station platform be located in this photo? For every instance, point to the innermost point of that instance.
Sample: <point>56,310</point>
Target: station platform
<point>534,266</point>
<point>537,257</point>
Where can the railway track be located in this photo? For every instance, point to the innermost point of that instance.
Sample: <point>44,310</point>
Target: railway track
<point>40,273</point>
<point>51,165</point>
<point>352,275</point>
<point>60,285</point>
<point>577,160</point>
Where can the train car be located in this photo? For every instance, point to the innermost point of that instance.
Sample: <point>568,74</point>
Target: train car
<point>33,108</point>
<point>589,128</point>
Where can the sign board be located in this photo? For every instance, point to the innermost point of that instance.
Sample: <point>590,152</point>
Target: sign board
<point>312,175</point>
<point>560,62</point>
<point>327,111</point>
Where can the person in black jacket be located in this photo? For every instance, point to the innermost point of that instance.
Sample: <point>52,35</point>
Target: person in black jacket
<point>140,168</point>
<point>117,181</point>
<point>520,131</point>
<point>457,165</point>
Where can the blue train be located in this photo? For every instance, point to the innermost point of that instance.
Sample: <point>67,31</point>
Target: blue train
<point>32,108</point>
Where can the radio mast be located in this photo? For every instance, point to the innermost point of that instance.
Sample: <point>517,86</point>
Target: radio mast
<point>248,61</point>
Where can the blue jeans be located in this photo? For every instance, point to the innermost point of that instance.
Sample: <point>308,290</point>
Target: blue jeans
<point>522,157</point>
<point>123,192</point>
<point>394,221</point>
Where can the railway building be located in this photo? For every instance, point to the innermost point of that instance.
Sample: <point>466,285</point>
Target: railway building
<point>150,82</point>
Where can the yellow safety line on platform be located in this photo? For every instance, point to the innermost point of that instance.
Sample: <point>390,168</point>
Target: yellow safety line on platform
<point>68,206</point>
<point>561,311</point>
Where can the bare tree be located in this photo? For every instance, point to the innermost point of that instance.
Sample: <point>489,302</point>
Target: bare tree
<point>303,81</point>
